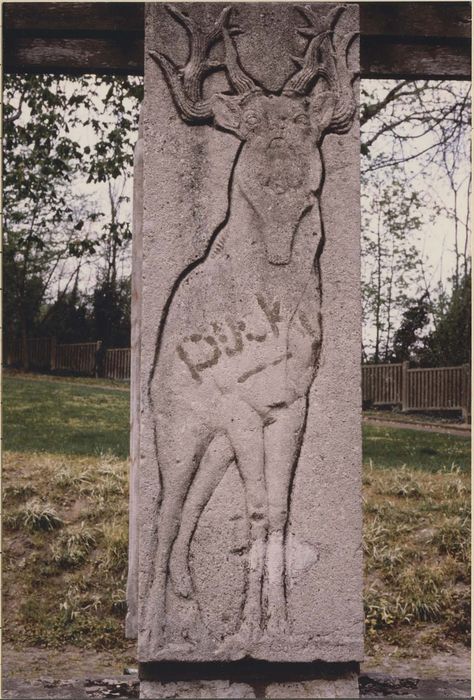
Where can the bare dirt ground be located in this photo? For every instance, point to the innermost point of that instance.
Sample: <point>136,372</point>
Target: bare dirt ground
<point>71,662</point>
<point>452,665</point>
<point>75,674</point>
<point>458,429</point>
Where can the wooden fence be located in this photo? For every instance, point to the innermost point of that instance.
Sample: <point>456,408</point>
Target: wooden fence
<point>382,384</point>
<point>427,389</point>
<point>438,388</point>
<point>77,357</point>
<point>418,389</point>
<point>39,353</point>
<point>117,363</point>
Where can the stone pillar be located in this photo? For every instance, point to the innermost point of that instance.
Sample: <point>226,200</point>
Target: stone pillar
<point>135,341</point>
<point>249,501</point>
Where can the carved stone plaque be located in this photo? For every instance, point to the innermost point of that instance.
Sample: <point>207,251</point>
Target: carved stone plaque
<point>249,529</point>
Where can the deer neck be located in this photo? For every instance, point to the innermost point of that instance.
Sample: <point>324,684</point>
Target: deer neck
<point>251,274</point>
<point>244,236</point>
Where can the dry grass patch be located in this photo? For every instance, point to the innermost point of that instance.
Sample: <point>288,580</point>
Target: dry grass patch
<point>65,554</point>
<point>416,538</point>
<point>65,550</point>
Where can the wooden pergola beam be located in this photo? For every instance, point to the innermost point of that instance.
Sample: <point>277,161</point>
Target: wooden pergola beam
<point>398,39</point>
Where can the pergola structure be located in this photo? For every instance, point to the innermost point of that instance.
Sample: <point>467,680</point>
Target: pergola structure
<point>398,39</point>
<point>270,280</point>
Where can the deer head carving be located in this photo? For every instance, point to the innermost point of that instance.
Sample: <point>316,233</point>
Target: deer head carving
<point>279,169</point>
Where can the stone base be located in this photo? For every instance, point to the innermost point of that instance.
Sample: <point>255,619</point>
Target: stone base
<point>341,688</point>
<point>248,679</point>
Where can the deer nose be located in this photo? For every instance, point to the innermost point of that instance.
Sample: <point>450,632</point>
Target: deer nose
<point>275,142</point>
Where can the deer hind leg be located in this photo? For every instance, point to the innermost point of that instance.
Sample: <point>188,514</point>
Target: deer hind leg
<point>282,447</point>
<point>211,470</point>
<point>178,457</point>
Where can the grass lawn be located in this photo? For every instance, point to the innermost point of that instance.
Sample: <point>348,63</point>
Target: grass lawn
<point>64,417</point>
<point>66,527</point>
<point>437,417</point>
<point>429,451</point>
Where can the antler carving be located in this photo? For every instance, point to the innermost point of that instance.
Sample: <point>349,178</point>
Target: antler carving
<point>326,57</point>
<point>186,83</point>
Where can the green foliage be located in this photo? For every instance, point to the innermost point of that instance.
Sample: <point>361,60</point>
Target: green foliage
<point>58,132</point>
<point>450,342</point>
<point>68,318</point>
<point>102,315</point>
<point>408,341</point>
<point>111,312</point>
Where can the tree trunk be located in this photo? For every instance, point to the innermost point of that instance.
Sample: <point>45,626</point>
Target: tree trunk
<point>25,355</point>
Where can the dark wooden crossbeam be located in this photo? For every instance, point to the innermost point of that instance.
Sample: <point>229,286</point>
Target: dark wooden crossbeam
<point>398,39</point>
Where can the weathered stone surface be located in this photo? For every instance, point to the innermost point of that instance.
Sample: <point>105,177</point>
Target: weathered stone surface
<point>135,342</point>
<point>195,689</point>
<point>320,688</point>
<point>250,517</point>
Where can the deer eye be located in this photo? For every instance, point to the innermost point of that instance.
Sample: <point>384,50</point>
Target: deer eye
<point>252,119</point>
<point>302,119</point>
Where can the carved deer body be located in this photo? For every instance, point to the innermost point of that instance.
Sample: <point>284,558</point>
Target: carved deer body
<point>231,382</point>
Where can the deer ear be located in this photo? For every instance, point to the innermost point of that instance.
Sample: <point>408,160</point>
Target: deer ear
<point>227,112</point>
<point>322,109</point>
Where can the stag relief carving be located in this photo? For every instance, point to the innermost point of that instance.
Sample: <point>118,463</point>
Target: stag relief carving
<point>240,339</point>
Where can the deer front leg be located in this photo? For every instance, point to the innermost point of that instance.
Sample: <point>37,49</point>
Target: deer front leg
<point>245,431</point>
<point>282,446</point>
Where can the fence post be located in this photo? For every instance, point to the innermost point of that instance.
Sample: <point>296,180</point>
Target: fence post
<point>53,350</point>
<point>25,352</point>
<point>466,393</point>
<point>404,391</point>
<point>98,359</point>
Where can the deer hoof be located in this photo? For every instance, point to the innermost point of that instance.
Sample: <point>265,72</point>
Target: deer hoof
<point>155,640</point>
<point>181,578</point>
<point>278,627</point>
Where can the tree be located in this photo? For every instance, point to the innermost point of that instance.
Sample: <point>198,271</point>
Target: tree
<point>111,312</point>
<point>450,342</point>
<point>391,259</point>
<point>69,318</point>
<point>415,141</point>
<point>48,227</point>
<point>40,159</point>
<point>408,341</point>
